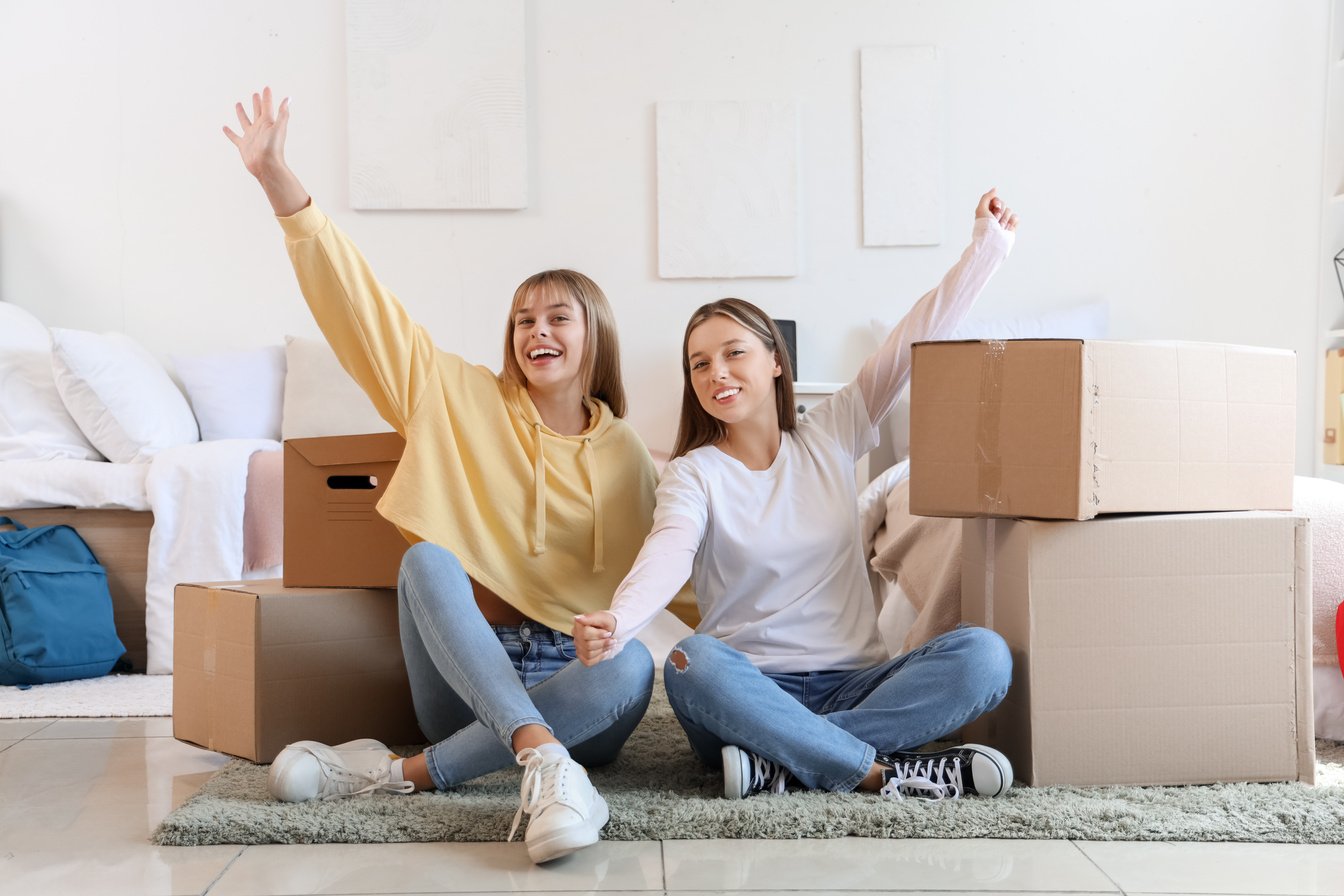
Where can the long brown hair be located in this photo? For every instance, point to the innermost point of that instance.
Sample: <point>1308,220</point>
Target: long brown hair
<point>601,368</point>
<point>698,427</point>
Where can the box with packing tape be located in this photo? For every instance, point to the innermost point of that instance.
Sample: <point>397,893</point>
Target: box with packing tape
<point>1164,649</point>
<point>1069,429</point>
<point>257,666</point>
<point>334,535</point>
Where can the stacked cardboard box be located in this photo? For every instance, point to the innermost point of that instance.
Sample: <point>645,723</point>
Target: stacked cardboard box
<point>261,664</point>
<point>1165,646</point>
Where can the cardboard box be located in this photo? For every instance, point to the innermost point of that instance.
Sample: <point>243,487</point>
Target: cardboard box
<point>1170,649</point>
<point>1068,429</point>
<point>1332,439</point>
<point>257,666</point>
<point>334,536</point>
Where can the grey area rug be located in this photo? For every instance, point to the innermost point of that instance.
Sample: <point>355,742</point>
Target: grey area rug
<point>657,790</point>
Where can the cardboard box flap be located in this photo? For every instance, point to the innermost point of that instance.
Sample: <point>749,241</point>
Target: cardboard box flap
<point>329,452</point>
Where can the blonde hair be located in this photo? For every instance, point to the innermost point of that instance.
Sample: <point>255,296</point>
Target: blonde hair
<point>601,368</point>
<point>698,427</point>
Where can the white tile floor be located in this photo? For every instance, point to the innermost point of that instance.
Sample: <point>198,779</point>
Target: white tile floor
<point>78,798</point>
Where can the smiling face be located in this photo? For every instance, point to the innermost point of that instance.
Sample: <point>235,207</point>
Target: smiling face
<point>732,371</point>
<point>550,331</point>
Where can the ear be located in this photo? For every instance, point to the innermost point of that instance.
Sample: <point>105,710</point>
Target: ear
<point>779,370</point>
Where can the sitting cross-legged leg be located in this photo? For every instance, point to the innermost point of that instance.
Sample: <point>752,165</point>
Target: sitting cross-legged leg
<point>490,696</point>
<point>843,730</point>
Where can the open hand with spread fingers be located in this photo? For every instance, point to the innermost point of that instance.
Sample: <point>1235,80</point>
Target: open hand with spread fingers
<point>262,148</point>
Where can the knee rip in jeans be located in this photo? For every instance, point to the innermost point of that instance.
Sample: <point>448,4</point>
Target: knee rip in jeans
<point>679,660</point>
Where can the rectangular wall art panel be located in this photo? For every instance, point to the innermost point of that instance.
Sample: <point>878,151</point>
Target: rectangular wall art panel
<point>902,110</point>
<point>437,104</point>
<point>727,189</point>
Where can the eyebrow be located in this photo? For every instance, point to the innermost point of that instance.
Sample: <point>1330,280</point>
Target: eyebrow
<point>726,342</point>
<point>527,309</point>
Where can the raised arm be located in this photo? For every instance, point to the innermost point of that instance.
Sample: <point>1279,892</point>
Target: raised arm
<point>262,147</point>
<point>390,356</point>
<point>934,316</point>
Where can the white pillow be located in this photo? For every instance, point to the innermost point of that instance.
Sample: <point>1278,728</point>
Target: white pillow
<point>34,425</point>
<point>235,395</point>
<point>1085,321</point>
<point>320,397</point>
<point>120,395</point>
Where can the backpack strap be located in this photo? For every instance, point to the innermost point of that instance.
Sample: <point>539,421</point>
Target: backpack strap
<point>18,527</point>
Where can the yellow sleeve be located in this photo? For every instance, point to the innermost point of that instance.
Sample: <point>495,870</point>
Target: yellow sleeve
<point>390,356</point>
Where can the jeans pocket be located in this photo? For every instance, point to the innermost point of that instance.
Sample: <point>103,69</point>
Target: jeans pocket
<point>564,645</point>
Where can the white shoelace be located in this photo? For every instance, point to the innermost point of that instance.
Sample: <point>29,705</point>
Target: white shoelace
<point>540,784</point>
<point>929,780</point>
<point>761,772</point>
<point>348,782</point>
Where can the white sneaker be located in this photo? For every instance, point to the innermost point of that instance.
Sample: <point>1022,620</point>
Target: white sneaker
<point>309,770</point>
<point>565,812</point>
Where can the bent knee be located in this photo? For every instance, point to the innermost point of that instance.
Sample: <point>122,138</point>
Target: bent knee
<point>990,657</point>
<point>430,569</point>
<point>688,651</point>
<point>635,663</point>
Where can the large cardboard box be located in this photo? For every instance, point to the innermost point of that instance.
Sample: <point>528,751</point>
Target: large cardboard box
<point>257,666</point>
<point>1068,429</point>
<point>334,535</point>
<point>1332,439</point>
<point>1171,649</point>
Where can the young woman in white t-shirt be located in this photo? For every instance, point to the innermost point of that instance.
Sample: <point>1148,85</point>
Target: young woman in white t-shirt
<point>785,678</point>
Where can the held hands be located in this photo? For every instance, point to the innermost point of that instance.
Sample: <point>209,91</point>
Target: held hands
<point>991,206</point>
<point>594,637</point>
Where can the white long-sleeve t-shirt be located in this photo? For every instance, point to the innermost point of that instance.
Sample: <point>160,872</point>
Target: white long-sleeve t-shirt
<point>775,555</point>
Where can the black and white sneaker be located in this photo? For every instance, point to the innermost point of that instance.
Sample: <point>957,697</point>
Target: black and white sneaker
<point>746,773</point>
<point>968,770</point>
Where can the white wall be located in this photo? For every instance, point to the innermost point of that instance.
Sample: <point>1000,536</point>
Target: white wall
<point>1164,156</point>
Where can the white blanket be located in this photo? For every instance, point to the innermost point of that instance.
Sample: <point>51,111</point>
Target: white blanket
<point>197,494</point>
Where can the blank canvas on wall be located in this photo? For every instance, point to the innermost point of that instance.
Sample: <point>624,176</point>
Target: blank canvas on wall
<point>727,189</point>
<point>902,114</point>
<point>437,104</point>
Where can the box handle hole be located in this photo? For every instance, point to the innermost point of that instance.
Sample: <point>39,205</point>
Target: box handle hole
<point>352,482</point>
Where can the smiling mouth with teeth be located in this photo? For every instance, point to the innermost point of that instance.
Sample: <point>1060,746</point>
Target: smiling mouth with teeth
<point>543,352</point>
<point>726,393</point>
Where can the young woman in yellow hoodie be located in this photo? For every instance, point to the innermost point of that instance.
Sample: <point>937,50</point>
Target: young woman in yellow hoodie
<point>525,497</point>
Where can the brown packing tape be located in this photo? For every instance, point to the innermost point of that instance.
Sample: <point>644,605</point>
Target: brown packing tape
<point>988,456</point>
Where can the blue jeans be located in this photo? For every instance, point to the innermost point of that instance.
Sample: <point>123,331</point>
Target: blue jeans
<point>827,727</point>
<point>474,684</point>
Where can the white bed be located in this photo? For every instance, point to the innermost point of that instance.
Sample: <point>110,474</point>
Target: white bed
<point>170,479</point>
<point>192,499</point>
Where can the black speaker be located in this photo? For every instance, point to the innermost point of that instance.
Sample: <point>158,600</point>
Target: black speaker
<point>789,330</point>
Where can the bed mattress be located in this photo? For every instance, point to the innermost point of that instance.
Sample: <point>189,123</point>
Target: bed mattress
<point>28,484</point>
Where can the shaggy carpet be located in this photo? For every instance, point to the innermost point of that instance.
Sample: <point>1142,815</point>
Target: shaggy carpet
<point>657,790</point>
<point>111,695</point>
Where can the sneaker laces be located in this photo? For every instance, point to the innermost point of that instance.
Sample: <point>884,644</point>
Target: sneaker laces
<point>929,780</point>
<point>541,780</point>
<point>767,775</point>
<point>345,781</point>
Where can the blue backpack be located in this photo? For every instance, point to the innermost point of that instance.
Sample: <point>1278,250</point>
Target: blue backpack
<point>55,609</point>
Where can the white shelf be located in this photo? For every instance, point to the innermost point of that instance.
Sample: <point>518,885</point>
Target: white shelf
<point>817,388</point>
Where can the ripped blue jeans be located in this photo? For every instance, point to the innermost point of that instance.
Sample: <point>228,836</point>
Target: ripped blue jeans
<point>827,727</point>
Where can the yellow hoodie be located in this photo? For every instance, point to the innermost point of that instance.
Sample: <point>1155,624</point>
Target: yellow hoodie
<point>549,522</point>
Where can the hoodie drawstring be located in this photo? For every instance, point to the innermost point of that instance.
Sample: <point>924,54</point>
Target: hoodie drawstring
<point>590,461</point>
<point>539,497</point>
<point>539,488</point>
